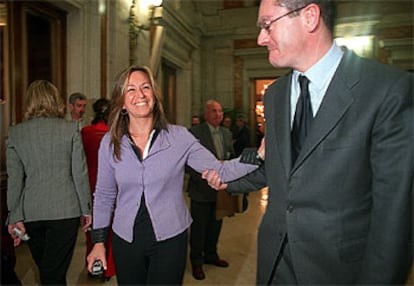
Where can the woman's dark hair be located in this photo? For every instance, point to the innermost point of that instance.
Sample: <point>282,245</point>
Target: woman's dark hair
<point>101,109</point>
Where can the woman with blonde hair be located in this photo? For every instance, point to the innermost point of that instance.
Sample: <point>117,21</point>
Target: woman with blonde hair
<point>48,194</point>
<point>141,168</point>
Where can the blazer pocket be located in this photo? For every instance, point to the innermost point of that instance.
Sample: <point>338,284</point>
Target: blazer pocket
<point>352,250</point>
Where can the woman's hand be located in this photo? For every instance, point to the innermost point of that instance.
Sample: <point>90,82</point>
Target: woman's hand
<point>19,225</point>
<point>86,222</point>
<point>213,180</point>
<point>97,253</point>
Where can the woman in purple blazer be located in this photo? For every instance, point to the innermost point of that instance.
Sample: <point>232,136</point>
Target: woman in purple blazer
<point>141,169</point>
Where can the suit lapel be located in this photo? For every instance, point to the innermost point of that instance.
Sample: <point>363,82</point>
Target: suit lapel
<point>207,139</point>
<point>278,100</point>
<point>161,143</point>
<point>337,100</point>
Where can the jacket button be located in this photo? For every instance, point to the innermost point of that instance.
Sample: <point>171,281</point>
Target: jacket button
<point>289,208</point>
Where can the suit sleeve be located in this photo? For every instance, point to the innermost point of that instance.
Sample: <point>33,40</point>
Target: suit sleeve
<point>388,253</point>
<point>80,174</point>
<point>249,183</point>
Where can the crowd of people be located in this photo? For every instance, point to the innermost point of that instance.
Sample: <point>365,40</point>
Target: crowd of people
<point>58,166</point>
<point>338,166</point>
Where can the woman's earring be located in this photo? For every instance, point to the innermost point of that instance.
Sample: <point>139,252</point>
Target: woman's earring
<point>124,112</point>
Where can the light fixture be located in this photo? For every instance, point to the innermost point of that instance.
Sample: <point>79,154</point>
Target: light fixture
<point>3,14</point>
<point>149,8</point>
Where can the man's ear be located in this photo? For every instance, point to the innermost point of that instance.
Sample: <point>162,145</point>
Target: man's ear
<point>311,17</point>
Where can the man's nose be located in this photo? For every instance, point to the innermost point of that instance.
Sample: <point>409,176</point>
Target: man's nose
<point>262,38</point>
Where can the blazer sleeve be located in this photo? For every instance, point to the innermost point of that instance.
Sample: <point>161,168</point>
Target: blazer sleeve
<point>201,159</point>
<point>15,181</point>
<point>80,173</point>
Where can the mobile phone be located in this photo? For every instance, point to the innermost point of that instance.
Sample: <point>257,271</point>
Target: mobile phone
<point>18,232</point>
<point>97,268</point>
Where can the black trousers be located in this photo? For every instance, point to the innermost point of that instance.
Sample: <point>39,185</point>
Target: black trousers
<point>205,232</point>
<point>52,243</point>
<point>146,261</point>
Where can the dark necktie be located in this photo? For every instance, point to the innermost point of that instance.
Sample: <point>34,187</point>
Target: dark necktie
<point>303,118</point>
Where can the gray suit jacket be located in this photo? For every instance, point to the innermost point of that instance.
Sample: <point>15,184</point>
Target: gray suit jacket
<point>48,177</point>
<point>346,204</point>
<point>198,188</point>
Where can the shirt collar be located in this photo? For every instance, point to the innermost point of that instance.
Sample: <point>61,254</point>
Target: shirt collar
<point>212,128</point>
<point>322,72</point>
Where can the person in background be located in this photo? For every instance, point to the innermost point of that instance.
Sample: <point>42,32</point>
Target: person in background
<point>77,107</point>
<point>206,226</point>
<point>195,120</point>
<point>91,137</point>
<point>228,123</point>
<point>139,189</point>
<point>242,138</point>
<point>340,180</point>
<point>48,194</point>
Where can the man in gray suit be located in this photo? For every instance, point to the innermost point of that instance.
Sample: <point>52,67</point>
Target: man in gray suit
<point>206,228</point>
<point>340,211</point>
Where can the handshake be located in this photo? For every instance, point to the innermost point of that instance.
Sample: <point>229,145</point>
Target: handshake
<point>248,156</point>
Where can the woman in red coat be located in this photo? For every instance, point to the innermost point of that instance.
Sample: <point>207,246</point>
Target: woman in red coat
<point>91,137</point>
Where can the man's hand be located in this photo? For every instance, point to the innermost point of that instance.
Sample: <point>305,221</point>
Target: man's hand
<point>261,150</point>
<point>213,180</point>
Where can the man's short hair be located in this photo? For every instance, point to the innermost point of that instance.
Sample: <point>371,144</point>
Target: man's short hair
<point>76,95</point>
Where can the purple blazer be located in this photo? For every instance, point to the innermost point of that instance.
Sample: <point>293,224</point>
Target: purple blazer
<point>160,176</point>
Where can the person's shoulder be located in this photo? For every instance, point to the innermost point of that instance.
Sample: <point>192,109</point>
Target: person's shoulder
<point>200,127</point>
<point>370,67</point>
<point>201,130</point>
<point>88,129</point>
<point>281,81</point>
<point>226,131</point>
<point>177,130</point>
<point>65,124</point>
<point>107,137</point>
<point>44,122</point>
<point>14,130</point>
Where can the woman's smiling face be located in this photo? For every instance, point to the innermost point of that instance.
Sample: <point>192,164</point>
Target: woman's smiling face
<point>139,96</point>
